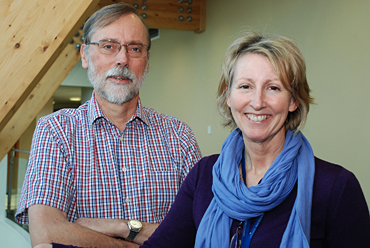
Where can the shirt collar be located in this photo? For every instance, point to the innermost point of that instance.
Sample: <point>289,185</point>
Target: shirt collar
<point>140,114</point>
<point>96,113</point>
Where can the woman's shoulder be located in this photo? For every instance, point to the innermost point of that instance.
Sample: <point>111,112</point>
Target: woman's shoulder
<point>205,164</point>
<point>200,177</point>
<point>339,212</point>
<point>336,189</point>
<point>328,173</point>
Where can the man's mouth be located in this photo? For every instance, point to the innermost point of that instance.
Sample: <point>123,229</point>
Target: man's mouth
<point>257,117</point>
<point>119,77</point>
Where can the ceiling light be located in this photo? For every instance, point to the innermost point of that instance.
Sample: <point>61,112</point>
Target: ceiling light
<point>75,99</point>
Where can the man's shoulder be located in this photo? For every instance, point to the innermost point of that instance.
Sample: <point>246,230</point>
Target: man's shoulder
<point>67,116</point>
<point>156,118</point>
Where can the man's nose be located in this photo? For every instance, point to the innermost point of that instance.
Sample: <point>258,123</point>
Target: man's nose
<point>122,57</point>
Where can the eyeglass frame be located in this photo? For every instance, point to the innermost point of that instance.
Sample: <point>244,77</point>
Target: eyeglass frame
<point>237,236</point>
<point>120,46</point>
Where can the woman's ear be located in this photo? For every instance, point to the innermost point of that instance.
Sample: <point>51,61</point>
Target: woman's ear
<point>228,96</point>
<point>293,105</point>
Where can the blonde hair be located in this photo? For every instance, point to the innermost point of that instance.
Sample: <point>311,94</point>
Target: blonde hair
<point>288,63</point>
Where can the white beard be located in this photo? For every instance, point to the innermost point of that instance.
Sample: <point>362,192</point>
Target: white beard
<point>114,93</point>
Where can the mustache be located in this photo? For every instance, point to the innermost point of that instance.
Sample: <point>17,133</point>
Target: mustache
<point>120,72</point>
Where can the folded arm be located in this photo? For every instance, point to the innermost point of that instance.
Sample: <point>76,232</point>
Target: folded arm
<point>48,224</point>
<point>118,228</point>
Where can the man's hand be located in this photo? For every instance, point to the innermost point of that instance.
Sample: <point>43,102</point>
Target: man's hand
<point>117,228</point>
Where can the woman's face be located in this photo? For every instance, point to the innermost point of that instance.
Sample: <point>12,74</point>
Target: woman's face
<point>258,100</point>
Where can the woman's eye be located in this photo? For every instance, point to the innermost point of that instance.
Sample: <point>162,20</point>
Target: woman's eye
<point>244,86</point>
<point>274,88</point>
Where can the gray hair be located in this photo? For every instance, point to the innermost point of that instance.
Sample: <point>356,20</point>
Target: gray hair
<point>106,16</point>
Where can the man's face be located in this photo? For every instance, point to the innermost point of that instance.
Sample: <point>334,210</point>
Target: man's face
<point>117,78</point>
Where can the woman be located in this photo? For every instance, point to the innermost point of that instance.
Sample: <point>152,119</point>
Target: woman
<point>266,179</point>
<point>266,188</point>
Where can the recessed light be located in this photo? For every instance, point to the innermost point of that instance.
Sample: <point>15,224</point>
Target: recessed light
<point>75,99</point>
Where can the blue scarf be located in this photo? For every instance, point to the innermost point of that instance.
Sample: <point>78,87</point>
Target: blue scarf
<point>233,200</point>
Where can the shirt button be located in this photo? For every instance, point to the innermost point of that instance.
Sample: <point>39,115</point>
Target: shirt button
<point>127,200</point>
<point>121,138</point>
<point>124,169</point>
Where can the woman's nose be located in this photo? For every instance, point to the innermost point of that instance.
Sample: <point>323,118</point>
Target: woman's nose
<point>258,99</point>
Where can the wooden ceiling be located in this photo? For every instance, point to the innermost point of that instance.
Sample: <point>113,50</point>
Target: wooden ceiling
<point>35,54</point>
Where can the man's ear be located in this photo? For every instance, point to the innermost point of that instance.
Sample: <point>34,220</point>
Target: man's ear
<point>83,56</point>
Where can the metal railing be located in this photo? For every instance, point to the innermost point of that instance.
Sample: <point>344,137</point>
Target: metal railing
<point>13,191</point>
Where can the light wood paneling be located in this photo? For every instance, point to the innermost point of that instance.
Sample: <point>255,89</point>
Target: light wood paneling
<point>33,34</point>
<point>38,97</point>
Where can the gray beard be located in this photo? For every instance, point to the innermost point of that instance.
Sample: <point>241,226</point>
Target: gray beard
<point>113,93</point>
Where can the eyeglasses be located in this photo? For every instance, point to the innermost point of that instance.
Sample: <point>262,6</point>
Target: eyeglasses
<point>236,239</point>
<point>112,47</point>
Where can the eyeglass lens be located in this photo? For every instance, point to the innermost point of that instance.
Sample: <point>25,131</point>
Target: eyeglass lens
<point>113,47</point>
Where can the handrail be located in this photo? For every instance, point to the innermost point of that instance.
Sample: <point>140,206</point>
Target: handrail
<point>10,177</point>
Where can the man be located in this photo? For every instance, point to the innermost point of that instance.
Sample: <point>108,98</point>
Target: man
<point>112,159</point>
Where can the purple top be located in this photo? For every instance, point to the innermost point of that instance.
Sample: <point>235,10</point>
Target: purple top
<point>339,217</point>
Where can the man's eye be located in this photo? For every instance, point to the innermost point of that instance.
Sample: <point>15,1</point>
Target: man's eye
<point>108,47</point>
<point>134,49</point>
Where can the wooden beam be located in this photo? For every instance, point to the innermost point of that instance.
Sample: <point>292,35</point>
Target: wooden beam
<point>38,97</point>
<point>39,89</point>
<point>187,15</point>
<point>34,33</point>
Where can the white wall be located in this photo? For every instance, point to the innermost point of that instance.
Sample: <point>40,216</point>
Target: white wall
<point>334,37</point>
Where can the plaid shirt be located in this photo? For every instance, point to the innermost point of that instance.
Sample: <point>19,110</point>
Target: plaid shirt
<point>83,165</point>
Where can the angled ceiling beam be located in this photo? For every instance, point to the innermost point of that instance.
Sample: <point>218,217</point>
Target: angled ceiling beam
<point>34,33</point>
<point>34,57</point>
<point>37,99</point>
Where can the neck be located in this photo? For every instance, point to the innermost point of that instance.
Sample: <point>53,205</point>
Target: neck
<point>259,157</point>
<point>119,115</point>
